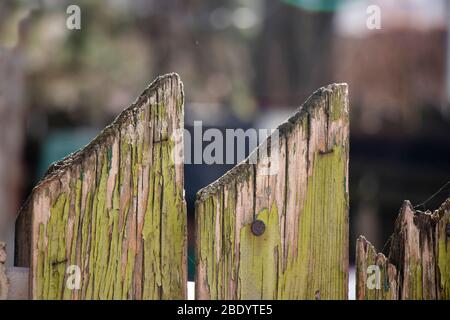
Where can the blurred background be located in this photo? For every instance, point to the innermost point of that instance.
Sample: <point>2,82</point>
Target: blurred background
<point>244,63</point>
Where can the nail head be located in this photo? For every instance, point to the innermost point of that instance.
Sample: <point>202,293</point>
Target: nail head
<point>258,227</point>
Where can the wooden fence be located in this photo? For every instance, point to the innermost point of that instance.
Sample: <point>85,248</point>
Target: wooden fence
<point>114,210</point>
<point>299,202</point>
<point>109,221</point>
<point>418,263</point>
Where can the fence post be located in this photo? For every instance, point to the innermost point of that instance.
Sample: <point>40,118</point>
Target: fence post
<point>4,285</point>
<point>13,281</point>
<point>276,225</point>
<point>418,263</point>
<point>109,221</point>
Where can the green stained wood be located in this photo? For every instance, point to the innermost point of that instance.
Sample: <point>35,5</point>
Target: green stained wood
<point>418,262</point>
<point>300,191</point>
<point>369,285</point>
<point>115,209</point>
<point>443,250</point>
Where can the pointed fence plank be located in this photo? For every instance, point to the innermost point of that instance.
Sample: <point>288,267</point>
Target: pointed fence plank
<point>298,190</point>
<point>114,209</point>
<point>418,263</point>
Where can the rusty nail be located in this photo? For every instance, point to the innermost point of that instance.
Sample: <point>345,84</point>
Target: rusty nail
<point>448,229</point>
<point>258,227</point>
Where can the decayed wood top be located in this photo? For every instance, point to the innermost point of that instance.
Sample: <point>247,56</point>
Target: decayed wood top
<point>417,265</point>
<point>57,169</point>
<point>284,128</point>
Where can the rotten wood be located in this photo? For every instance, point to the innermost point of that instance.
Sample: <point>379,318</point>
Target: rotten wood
<point>115,210</point>
<point>302,199</point>
<point>4,284</point>
<point>418,262</point>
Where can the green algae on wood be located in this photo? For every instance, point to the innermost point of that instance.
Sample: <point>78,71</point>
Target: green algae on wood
<point>301,196</point>
<point>376,277</point>
<point>115,209</point>
<point>418,262</point>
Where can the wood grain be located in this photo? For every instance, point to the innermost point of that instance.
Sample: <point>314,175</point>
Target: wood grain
<point>4,284</point>
<point>303,200</point>
<point>115,209</point>
<point>418,263</point>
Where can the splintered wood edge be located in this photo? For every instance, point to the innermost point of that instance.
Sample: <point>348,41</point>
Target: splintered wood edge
<point>435,215</point>
<point>238,172</point>
<point>58,168</point>
<point>365,245</point>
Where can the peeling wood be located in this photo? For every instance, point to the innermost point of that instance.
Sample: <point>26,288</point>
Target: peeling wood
<point>115,209</point>
<point>303,202</point>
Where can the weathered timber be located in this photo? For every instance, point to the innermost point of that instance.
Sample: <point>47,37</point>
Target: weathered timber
<point>13,280</point>
<point>418,263</point>
<point>17,283</point>
<point>115,209</point>
<point>4,284</point>
<point>302,199</point>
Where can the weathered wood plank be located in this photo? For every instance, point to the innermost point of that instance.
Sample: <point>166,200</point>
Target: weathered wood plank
<point>302,198</point>
<point>4,285</point>
<point>13,280</point>
<point>115,209</point>
<point>418,266</point>
<point>18,283</point>
<point>381,286</point>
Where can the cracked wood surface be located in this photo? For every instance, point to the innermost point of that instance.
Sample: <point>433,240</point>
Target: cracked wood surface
<point>302,197</point>
<point>115,208</point>
<point>418,263</point>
